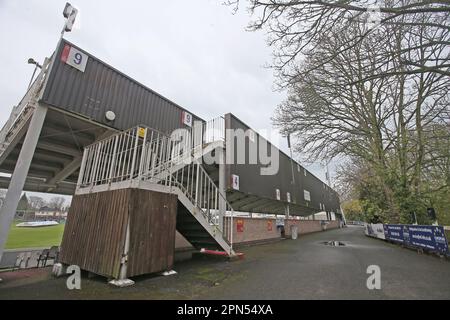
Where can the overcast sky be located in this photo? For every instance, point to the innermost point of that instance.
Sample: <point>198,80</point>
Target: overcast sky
<point>196,53</point>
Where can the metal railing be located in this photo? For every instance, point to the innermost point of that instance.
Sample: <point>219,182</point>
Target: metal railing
<point>196,184</point>
<point>23,111</point>
<point>123,157</point>
<point>145,154</point>
<point>214,130</point>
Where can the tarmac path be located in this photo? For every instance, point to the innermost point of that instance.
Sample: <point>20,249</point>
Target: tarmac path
<point>289,269</point>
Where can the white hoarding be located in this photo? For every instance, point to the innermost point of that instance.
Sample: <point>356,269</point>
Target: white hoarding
<point>375,230</point>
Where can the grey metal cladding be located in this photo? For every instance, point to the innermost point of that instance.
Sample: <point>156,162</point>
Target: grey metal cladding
<point>101,88</point>
<point>252,182</point>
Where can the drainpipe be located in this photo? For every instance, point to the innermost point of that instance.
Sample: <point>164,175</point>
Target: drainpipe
<point>124,260</point>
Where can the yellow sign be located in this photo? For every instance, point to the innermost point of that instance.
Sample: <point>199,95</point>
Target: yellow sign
<point>141,132</point>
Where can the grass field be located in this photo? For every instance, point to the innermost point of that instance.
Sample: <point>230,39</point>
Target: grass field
<point>34,237</point>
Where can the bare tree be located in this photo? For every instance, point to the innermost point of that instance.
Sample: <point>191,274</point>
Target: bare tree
<point>295,29</point>
<point>57,203</point>
<point>370,91</point>
<point>342,108</point>
<point>36,202</point>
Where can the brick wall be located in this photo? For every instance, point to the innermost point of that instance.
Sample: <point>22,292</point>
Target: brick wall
<point>257,229</point>
<point>248,230</point>
<point>307,226</point>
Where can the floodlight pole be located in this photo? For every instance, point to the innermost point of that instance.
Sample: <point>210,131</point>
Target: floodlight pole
<point>328,174</point>
<point>292,160</point>
<point>17,181</point>
<point>36,66</point>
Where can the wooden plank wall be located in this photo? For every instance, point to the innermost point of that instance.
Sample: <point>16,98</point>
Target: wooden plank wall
<point>95,231</point>
<point>152,232</point>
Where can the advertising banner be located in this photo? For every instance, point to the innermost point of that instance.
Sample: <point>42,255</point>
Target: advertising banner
<point>394,232</point>
<point>428,237</point>
<point>240,225</point>
<point>269,225</point>
<point>375,230</point>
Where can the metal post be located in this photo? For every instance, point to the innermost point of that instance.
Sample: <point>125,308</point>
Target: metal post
<point>343,215</point>
<point>124,261</point>
<point>95,164</point>
<point>20,173</point>
<point>231,231</point>
<point>82,168</point>
<point>196,183</point>
<point>133,161</point>
<point>328,175</point>
<point>292,168</point>
<point>123,281</point>
<point>32,77</point>
<point>222,187</point>
<point>52,62</point>
<point>113,160</point>
<point>143,154</point>
<point>415,218</point>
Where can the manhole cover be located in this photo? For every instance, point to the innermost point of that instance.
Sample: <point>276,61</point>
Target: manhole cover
<point>334,243</point>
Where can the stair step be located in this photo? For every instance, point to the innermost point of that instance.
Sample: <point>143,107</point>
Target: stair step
<point>197,234</point>
<point>182,220</point>
<point>189,226</point>
<point>203,241</point>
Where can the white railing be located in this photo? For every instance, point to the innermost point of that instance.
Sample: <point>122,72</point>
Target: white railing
<point>23,111</point>
<point>196,184</point>
<point>145,154</point>
<point>214,130</point>
<point>123,157</point>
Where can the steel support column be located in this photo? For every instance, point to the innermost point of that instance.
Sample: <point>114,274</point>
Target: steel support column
<point>20,173</point>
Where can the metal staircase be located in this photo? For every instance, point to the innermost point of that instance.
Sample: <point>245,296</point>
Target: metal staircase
<point>145,158</point>
<point>21,114</point>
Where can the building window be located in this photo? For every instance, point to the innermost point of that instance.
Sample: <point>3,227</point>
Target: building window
<point>306,195</point>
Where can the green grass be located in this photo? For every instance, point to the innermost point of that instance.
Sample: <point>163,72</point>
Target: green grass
<point>41,237</point>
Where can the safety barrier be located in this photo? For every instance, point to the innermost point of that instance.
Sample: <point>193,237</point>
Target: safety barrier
<point>427,238</point>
